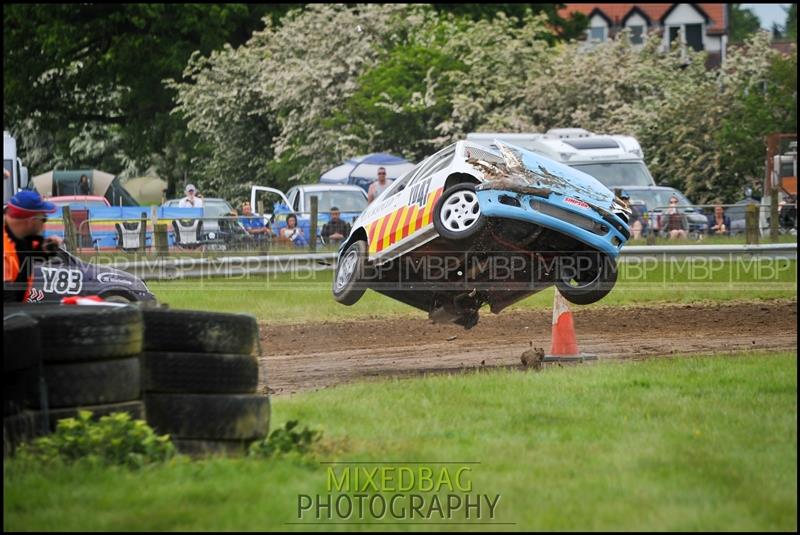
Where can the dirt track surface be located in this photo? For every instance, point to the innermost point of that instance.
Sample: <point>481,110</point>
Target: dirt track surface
<point>317,355</point>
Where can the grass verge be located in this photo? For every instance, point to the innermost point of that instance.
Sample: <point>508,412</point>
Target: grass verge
<point>306,296</point>
<point>666,444</point>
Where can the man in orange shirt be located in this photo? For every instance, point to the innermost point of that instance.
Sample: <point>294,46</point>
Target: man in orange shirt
<point>23,225</point>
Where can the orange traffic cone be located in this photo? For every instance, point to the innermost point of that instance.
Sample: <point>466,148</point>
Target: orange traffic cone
<point>564,347</point>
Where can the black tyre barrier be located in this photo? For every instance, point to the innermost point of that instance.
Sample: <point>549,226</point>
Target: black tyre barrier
<point>209,416</point>
<point>81,333</point>
<point>22,345</point>
<point>193,331</point>
<point>199,373</point>
<point>92,383</point>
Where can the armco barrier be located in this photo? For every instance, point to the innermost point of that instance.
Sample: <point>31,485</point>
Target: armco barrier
<point>242,266</point>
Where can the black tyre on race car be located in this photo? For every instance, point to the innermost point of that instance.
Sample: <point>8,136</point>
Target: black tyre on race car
<point>348,284</point>
<point>586,278</point>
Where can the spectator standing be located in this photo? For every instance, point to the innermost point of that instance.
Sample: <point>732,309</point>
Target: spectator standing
<point>719,223</point>
<point>377,187</point>
<point>192,200</point>
<point>23,226</point>
<point>335,230</point>
<point>83,186</point>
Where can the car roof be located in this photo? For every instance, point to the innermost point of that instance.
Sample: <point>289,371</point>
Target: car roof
<point>205,199</point>
<point>63,198</point>
<point>642,188</point>
<point>329,187</point>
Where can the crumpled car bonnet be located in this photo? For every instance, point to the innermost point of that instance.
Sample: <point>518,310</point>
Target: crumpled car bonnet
<point>523,170</point>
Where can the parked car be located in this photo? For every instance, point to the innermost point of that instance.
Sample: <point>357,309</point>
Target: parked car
<point>64,275</point>
<point>218,229</point>
<point>469,209</point>
<point>656,199</point>
<point>350,200</point>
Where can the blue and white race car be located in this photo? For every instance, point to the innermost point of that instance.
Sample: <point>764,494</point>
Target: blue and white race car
<point>470,226</point>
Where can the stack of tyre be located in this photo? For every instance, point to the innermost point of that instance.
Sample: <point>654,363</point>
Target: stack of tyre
<point>60,359</point>
<point>190,374</point>
<point>200,375</point>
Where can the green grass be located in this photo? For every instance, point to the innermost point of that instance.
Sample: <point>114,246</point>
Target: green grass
<point>716,240</point>
<point>307,295</point>
<point>665,444</point>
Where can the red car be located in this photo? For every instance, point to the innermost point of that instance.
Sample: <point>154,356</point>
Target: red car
<point>80,201</point>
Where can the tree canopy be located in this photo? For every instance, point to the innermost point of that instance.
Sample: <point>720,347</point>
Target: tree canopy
<point>83,82</point>
<point>743,23</point>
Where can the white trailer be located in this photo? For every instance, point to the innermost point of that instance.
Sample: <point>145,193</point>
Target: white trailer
<point>15,175</point>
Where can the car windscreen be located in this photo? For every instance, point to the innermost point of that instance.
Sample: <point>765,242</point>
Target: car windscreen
<point>657,199</point>
<point>618,174</point>
<point>345,201</point>
<point>216,209</point>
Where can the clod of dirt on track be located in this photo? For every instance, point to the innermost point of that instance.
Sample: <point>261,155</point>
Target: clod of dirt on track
<point>533,358</point>
<point>315,355</point>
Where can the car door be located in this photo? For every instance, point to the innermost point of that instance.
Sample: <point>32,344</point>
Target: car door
<point>268,198</point>
<point>407,208</point>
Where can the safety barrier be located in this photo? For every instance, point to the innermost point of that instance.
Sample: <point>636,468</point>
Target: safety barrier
<point>244,266</point>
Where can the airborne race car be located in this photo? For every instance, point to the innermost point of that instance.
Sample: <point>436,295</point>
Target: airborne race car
<point>470,226</point>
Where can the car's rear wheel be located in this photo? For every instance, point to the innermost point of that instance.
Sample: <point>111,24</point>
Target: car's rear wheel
<point>347,286</point>
<point>585,279</point>
<point>457,215</point>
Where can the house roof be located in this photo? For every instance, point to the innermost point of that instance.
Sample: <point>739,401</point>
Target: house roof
<point>714,13</point>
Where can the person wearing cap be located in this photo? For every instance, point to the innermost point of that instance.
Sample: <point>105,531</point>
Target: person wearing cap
<point>23,226</point>
<point>192,200</point>
<point>335,230</point>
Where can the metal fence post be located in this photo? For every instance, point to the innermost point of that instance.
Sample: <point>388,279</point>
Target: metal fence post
<point>751,224</point>
<point>70,237</point>
<point>313,238</point>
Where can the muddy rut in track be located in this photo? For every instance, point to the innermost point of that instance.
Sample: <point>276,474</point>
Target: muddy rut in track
<point>317,355</point>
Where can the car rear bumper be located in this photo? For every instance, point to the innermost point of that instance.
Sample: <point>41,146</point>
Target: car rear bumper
<point>584,224</point>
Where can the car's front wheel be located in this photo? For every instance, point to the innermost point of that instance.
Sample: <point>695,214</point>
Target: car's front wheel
<point>586,279</point>
<point>347,286</point>
<point>457,215</point>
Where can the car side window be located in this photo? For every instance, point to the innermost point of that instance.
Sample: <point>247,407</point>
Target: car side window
<point>437,163</point>
<point>401,183</point>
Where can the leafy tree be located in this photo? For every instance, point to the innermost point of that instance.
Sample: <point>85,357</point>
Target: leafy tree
<point>334,81</point>
<point>791,22</point>
<point>571,27</point>
<point>83,82</point>
<point>743,23</point>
